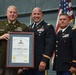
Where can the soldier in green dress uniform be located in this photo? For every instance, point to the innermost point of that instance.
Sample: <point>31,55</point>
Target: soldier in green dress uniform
<point>11,24</point>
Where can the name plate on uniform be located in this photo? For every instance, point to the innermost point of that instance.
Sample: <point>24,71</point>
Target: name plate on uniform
<point>20,50</point>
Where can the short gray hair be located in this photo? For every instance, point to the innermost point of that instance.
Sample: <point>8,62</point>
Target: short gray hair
<point>13,7</point>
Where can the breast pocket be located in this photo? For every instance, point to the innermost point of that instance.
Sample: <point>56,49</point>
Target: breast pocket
<point>66,40</point>
<point>40,33</point>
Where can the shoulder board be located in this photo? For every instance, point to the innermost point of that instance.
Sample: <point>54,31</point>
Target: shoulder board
<point>74,27</point>
<point>48,24</point>
<point>21,22</point>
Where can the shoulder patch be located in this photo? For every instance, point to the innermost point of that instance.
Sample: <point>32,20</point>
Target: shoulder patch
<point>48,24</point>
<point>74,27</point>
<point>2,21</point>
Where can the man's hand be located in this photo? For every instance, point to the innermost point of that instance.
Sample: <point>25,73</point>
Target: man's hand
<point>5,36</point>
<point>72,70</point>
<point>42,66</point>
<point>20,71</point>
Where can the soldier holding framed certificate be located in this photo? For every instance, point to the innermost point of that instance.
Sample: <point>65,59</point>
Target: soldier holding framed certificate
<point>13,25</point>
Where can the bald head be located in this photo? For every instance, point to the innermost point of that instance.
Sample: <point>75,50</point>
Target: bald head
<point>37,14</point>
<point>37,8</point>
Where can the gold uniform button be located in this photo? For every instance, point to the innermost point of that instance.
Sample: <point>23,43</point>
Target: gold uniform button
<point>56,50</point>
<point>56,41</point>
<point>56,55</point>
<point>56,45</point>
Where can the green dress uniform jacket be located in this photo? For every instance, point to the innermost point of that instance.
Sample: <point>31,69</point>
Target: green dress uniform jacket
<point>44,43</point>
<point>4,28</point>
<point>65,50</point>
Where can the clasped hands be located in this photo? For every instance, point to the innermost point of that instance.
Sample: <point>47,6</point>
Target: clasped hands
<point>42,66</point>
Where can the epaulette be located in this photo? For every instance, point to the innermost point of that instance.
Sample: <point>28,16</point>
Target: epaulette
<point>48,24</point>
<point>23,23</point>
<point>73,27</point>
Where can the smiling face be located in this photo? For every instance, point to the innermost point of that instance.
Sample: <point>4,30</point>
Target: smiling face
<point>11,13</point>
<point>37,15</point>
<point>64,21</point>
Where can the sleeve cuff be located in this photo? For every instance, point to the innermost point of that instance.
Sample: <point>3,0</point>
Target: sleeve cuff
<point>74,63</point>
<point>45,58</point>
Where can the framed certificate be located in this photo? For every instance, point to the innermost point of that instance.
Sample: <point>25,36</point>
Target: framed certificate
<point>20,50</point>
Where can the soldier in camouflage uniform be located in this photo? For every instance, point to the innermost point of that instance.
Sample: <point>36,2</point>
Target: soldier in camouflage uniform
<point>11,24</point>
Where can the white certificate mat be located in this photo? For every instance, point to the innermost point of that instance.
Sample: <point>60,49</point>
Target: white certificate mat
<point>20,50</point>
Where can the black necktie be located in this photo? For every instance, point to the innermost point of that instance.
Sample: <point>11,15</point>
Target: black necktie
<point>60,32</point>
